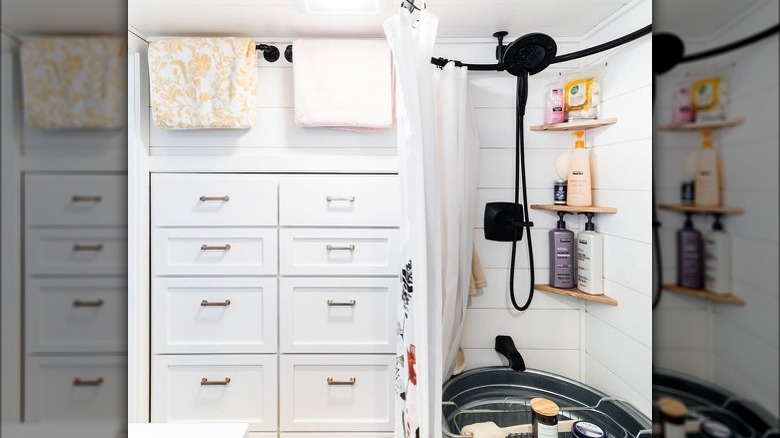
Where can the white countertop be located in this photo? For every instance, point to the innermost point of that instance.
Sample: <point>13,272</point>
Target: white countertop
<point>188,430</point>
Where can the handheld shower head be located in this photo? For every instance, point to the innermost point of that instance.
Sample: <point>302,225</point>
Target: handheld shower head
<point>529,54</point>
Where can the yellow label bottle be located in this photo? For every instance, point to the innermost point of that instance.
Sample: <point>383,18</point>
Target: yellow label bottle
<point>578,191</point>
<point>707,186</point>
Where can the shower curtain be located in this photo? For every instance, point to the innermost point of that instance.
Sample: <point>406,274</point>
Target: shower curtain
<point>437,171</point>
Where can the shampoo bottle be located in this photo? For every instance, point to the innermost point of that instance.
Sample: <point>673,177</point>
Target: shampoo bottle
<point>578,191</point>
<point>561,255</point>
<point>707,192</point>
<point>590,259</point>
<point>690,257</point>
<point>717,259</point>
<point>553,103</point>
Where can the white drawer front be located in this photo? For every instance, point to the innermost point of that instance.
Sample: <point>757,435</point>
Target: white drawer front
<point>214,315</point>
<point>82,200</point>
<point>214,251</point>
<point>76,252</point>
<point>81,315</point>
<point>355,200</point>
<point>76,388</point>
<point>338,315</point>
<point>339,252</point>
<point>237,388</point>
<point>213,200</point>
<point>337,393</point>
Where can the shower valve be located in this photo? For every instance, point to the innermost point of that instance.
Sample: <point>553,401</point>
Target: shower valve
<point>504,221</point>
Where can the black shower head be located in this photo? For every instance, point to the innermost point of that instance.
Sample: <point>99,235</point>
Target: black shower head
<point>668,51</point>
<point>531,53</point>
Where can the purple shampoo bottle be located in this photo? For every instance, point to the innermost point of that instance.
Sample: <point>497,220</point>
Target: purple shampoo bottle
<point>690,256</point>
<point>562,255</point>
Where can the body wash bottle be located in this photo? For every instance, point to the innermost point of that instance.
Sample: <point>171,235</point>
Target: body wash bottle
<point>561,255</point>
<point>553,103</point>
<point>690,258</point>
<point>707,186</point>
<point>590,259</point>
<point>717,259</point>
<point>578,191</point>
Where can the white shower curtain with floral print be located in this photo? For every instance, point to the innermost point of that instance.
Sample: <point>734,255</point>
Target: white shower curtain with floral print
<point>437,169</point>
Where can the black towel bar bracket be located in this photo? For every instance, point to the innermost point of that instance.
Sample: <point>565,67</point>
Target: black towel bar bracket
<point>271,53</point>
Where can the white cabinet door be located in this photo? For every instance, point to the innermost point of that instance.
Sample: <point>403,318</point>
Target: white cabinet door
<point>327,200</point>
<point>83,388</point>
<point>75,200</point>
<point>215,388</point>
<point>76,315</point>
<point>337,393</point>
<point>214,315</point>
<point>338,315</point>
<point>180,199</point>
<point>339,251</point>
<point>214,251</point>
<point>76,251</point>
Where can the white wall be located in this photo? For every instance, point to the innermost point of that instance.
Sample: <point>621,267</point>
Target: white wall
<point>735,347</point>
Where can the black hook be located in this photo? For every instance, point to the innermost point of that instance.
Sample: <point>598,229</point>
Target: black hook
<point>270,53</point>
<point>288,53</point>
<point>412,7</point>
<point>500,48</point>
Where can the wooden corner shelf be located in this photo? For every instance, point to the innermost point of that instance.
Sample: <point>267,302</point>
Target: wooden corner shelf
<point>575,125</point>
<point>571,209</point>
<point>707,295</point>
<point>603,299</point>
<point>721,209</point>
<point>703,125</point>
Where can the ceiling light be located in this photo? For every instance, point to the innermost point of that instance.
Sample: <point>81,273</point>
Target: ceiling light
<point>341,6</point>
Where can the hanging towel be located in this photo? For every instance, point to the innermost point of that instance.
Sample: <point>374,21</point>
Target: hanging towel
<point>478,280</point>
<point>343,84</point>
<point>74,83</point>
<point>203,83</point>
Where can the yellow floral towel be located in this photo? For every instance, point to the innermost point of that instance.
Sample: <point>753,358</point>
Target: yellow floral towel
<point>203,83</point>
<point>74,83</point>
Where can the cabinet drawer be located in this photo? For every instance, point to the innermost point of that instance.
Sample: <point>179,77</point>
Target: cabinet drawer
<point>213,200</point>
<point>355,200</point>
<point>76,252</point>
<point>81,315</point>
<point>339,252</point>
<point>76,388</point>
<point>338,315</point>
<point>214,251</point>
<point>214,315</point>
<point>336,393</point>
<point>336,435</point>
<point>82,200</point>
<point>220,388</point>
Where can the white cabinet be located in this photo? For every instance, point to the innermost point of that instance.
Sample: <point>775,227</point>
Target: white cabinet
<point>215,388</point>
<point>250,271</point>
<point>75,295</point>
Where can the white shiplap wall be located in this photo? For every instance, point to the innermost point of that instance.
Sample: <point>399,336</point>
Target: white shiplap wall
<point>735,347</point>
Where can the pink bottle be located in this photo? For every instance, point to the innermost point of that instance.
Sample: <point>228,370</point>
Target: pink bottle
<point>553,103</point>
<point>682,109</point>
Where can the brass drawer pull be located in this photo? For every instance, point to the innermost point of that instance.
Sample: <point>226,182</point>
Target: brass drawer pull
<point>207,303</point>
<point>349,247</point>
<point>83,247</point>
<point>350,382</point>
<point>86,198</point>
<point>205,198</point>
<point>340,198</point>
<point>349,303</point>
<point>78,381</point>
<point>206,382</point>
<point>205,247</point>
<point>78,303</point>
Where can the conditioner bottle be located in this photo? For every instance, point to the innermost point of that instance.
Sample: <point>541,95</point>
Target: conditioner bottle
<point>590,259</point>
<point>561,255</point>
<point>707,186</point>
<point>717,259</point>
<point>578,190</point>
<point>690,257</point>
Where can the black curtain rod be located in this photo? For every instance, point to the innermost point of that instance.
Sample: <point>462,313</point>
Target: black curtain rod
<point>731,46</point>
<point>441,62</point>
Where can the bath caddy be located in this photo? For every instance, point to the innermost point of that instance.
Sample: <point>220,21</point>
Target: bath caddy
<point>591,209</point>
<point>577,294</point>
<point>574,126</point>
<point>703,125</point>
<point>705,294</point>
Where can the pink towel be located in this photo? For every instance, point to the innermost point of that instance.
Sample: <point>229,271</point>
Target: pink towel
<point>344,84</point>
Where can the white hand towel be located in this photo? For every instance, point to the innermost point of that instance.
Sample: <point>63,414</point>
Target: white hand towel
<point>345,84</point>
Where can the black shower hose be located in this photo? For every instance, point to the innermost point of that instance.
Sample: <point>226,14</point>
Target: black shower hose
<point>522,92</point>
